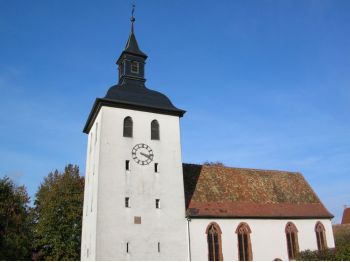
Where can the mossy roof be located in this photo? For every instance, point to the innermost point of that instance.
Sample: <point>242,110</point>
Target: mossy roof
<point>219,191</point>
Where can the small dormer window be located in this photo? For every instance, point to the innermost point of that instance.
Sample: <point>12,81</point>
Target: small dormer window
<point>135,67</point>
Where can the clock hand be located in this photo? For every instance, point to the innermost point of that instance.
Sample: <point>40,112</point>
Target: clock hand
<point>148,156</point>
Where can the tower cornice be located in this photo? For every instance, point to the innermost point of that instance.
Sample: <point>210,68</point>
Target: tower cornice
<point>100,102</point>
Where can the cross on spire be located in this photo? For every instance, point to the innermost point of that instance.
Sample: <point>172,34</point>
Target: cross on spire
<point>132,19</point>
<point>131,45</point>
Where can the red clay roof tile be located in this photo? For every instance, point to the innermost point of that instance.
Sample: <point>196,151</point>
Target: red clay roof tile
<point>346,216</point>
<point>218,191</point>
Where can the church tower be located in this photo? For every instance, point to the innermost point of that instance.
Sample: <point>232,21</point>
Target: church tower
<point>134,207</point>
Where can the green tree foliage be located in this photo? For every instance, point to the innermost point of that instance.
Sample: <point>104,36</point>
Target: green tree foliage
<point>342,241</point>
<point>15,222</point>
<point>341,252</point>
<point>326,255</point>
<point>58,215</point>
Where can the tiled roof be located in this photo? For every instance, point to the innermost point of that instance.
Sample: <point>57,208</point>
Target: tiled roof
<point>346,216</point>
<point>341,229</point>
<point>218,191</point>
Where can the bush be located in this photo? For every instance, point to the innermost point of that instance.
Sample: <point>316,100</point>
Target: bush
<point>326,255</point>
<point>341,251</point>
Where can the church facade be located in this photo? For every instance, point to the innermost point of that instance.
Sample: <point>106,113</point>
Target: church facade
<point>142,203</point>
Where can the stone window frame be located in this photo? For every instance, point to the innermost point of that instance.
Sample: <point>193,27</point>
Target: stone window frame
<point>216,254</point>
<point>244,242</point>
<point>292,240</point>
<point>320,236</point>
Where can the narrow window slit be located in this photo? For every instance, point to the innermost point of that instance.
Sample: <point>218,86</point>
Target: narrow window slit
<point>127,202</point>
<point>127,165</point>
<point>157,203</point>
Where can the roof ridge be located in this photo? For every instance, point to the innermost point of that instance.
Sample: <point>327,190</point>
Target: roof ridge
<point>246,168</point>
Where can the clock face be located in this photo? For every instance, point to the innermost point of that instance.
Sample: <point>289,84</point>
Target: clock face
<point>142,154</point>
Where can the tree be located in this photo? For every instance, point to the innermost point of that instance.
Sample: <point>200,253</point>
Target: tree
<point>58,215</point>
<point>15,223</point>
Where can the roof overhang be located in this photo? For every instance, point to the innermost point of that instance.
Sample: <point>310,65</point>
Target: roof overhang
<point>260,217</point>
<point>260,211</point>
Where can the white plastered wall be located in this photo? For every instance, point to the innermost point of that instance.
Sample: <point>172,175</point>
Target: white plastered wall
<point>268,237</point>
<point>88,246</point>
<point>112,226</point>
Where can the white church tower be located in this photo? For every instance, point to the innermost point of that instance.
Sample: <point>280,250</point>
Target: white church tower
<point>134,195</point>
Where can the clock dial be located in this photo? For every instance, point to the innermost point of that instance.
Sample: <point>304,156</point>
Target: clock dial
<point>142,154</point>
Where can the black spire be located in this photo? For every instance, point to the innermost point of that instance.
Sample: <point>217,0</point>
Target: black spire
<point>131,62</point>
<point>130,92</point>
<point>131,45</point>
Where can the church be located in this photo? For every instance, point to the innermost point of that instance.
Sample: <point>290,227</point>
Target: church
<point>141,202</point>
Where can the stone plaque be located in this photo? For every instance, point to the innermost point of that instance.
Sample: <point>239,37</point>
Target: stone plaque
<point>137,220</point>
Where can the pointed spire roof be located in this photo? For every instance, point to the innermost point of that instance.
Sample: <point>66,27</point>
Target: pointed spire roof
<point>131,92</point>
<point>131,46</point>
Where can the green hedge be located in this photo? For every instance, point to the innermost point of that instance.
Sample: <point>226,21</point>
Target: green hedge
<point>341,251</point>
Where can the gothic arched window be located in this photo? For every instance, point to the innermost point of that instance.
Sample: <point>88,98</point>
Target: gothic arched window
<point>320,236</point>
<point>292,240</point>
<point>154,130</point>
<point>214,242</point>
<point>244,245</point>
<point>127,129</point>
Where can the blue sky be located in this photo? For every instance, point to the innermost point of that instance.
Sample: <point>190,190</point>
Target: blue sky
<point>266,84</point>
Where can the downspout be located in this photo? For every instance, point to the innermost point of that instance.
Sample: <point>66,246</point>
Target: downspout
<point>189,237</point>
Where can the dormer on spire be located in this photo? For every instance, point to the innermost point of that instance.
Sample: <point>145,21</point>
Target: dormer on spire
<point>131,62</point>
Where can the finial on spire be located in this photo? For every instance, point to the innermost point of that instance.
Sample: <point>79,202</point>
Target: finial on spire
<point>132,19</point>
